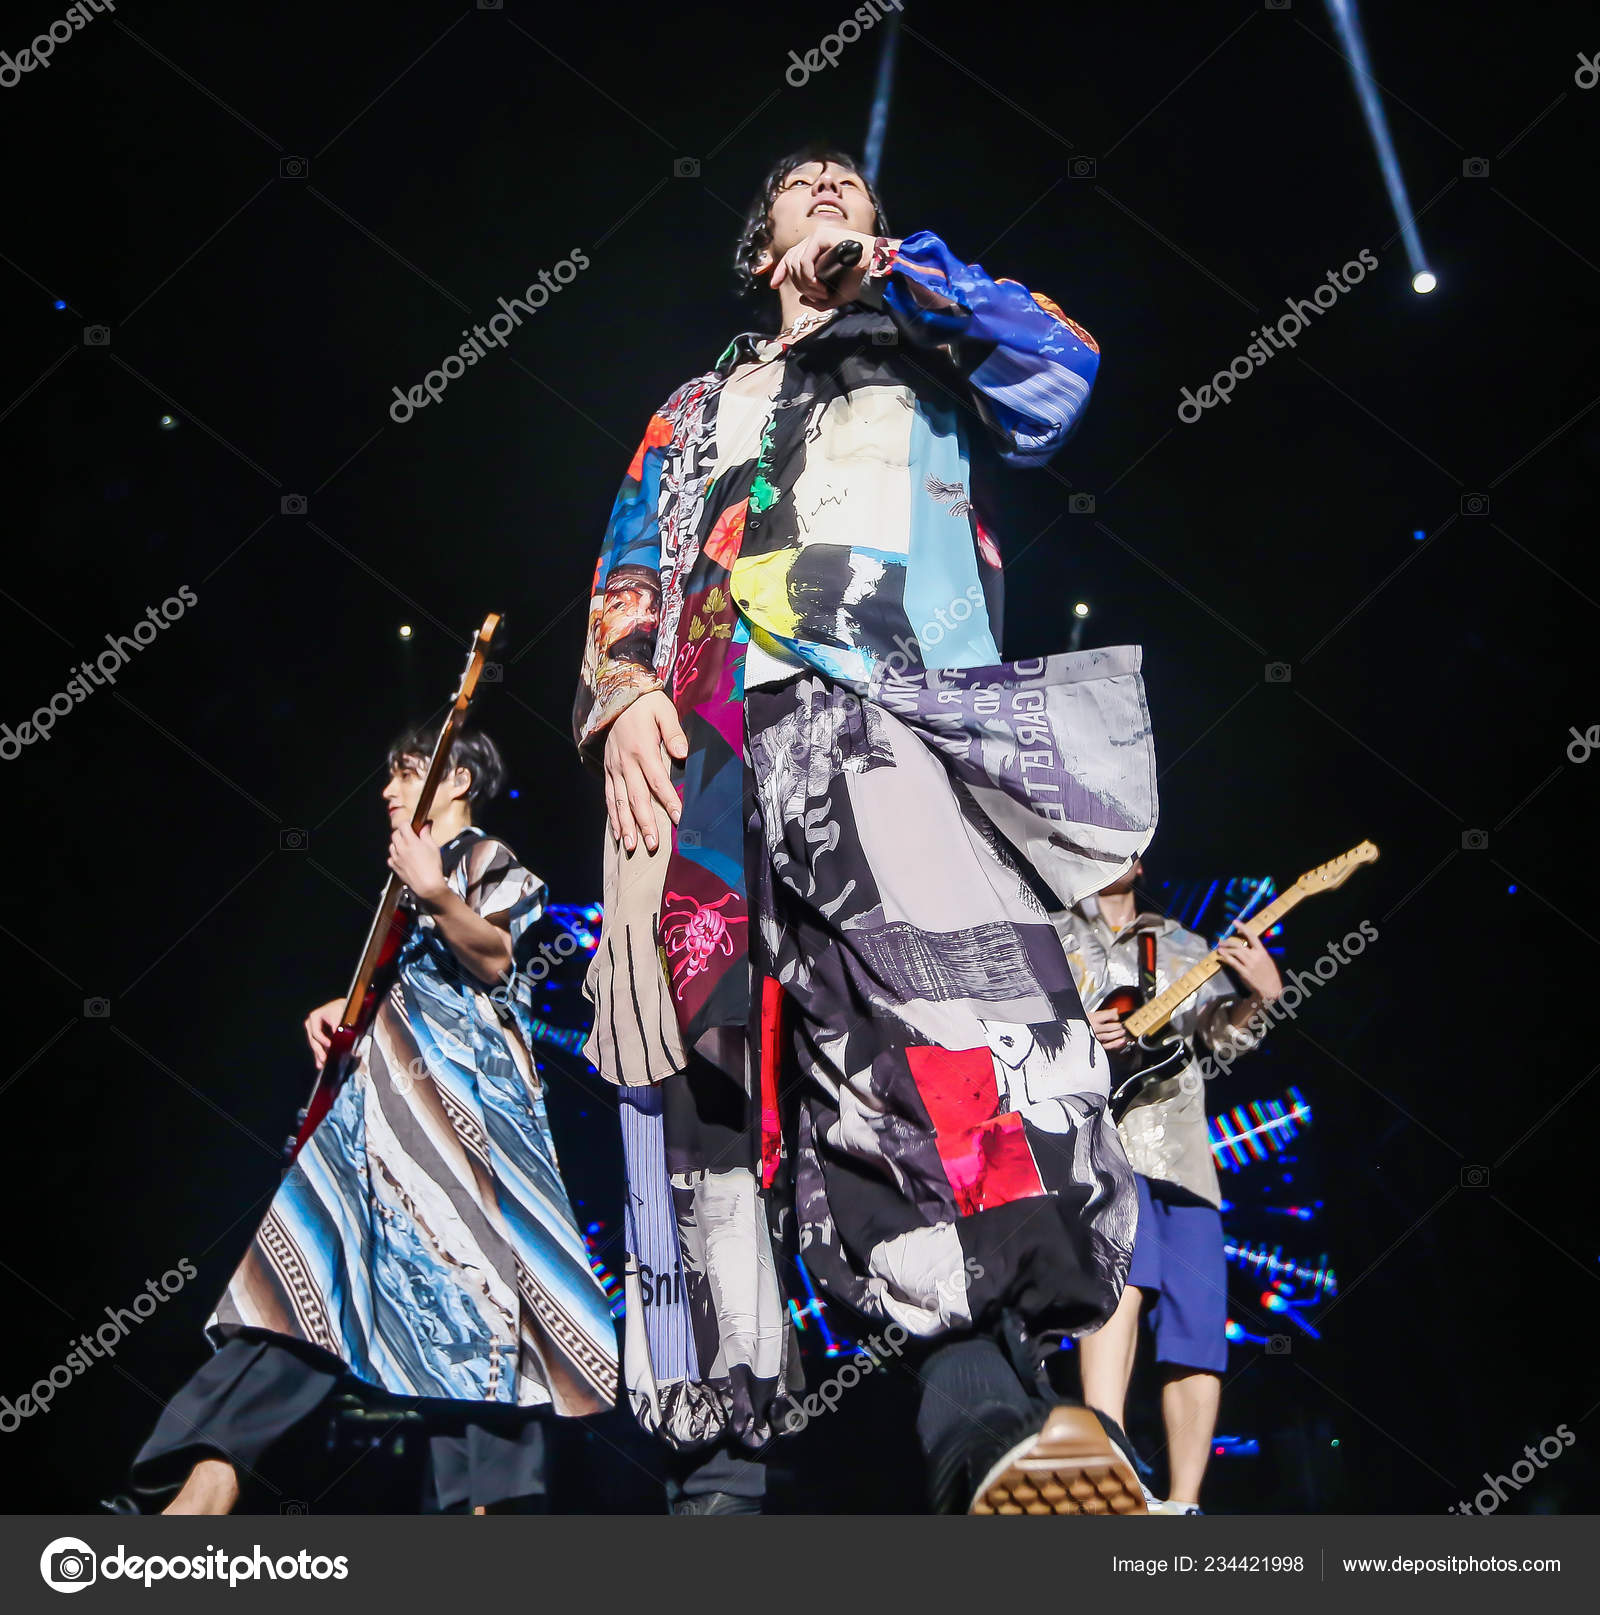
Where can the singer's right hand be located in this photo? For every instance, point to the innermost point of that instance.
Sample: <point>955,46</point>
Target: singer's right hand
<point>801,261</point>
<point>636,770</point>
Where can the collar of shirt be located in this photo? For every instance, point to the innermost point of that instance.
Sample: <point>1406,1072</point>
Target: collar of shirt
<point>739,351</point>
<point>747,345</point>
<point>1144,920</point>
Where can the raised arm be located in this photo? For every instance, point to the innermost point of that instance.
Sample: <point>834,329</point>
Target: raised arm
<point>1031,368</point>
<point>481,947</point>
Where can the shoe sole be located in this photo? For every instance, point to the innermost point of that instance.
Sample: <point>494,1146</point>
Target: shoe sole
<point>1068,1467</point>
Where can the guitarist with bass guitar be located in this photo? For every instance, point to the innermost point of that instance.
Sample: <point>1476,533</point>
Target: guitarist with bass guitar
<point>1178,1261</point>
<point>421,1250</point>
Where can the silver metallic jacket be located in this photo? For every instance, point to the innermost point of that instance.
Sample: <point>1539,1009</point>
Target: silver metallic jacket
<point>1164,1132</point>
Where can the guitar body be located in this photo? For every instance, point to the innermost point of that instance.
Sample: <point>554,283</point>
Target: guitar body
<point>342,1045</point>
<point>1145,1062</point>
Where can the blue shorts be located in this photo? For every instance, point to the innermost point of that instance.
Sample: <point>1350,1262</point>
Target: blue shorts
<point>1178,1263</point>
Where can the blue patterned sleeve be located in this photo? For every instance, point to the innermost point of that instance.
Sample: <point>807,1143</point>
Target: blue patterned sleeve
<point>1030,367</point>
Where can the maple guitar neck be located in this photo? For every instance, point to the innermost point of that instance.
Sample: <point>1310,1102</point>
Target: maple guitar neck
<point>1154,1015</point>
<point>383,920</point>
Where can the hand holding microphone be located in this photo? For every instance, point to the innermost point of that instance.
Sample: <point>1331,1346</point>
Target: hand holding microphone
<point>824,267</point>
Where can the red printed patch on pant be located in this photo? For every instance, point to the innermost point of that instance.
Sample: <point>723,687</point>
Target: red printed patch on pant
<point>985,1155</point>
<point>771,1056</point>
<point>957,1085</point>
<point>990,1165</point>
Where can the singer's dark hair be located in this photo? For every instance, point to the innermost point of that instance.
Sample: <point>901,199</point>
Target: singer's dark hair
<point>756,236</point>
<point>470,749</point>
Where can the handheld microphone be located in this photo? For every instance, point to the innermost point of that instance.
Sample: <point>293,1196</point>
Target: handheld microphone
<point>836,260</point>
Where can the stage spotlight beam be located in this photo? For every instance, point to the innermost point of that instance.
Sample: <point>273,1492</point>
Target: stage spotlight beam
<point>882,95</point>
<point>1347,25</point>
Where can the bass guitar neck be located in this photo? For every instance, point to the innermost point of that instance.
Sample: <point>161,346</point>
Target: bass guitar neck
<point>390,925</point>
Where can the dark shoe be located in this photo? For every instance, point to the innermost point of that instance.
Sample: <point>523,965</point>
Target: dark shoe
<point>957,1466</point>
<point>1069,1465</point>
<point>716,1503</point>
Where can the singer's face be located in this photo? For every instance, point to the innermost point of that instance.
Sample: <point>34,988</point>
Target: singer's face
<point>818,193</point>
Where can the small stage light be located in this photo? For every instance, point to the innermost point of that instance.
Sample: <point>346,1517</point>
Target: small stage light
<point>58,305</point>
<point>514,794</point>
<point>405,630</point>
<point>1419,534</point>
<point>1424,281</point>
<point>1080,610</point>
<point>168,423</point>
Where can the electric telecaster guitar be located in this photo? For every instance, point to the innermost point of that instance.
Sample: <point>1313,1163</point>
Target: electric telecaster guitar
<point>1152,1056</point>
<point>391,924</point>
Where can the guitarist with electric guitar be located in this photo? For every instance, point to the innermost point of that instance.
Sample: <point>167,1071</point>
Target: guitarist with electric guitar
<point>1164,1002</point>
<point>421,1244</point>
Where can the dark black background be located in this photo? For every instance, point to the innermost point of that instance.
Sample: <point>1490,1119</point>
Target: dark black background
<point>453,154</point>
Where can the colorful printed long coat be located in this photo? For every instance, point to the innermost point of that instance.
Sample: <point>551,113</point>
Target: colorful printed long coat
<point>838,992</point>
